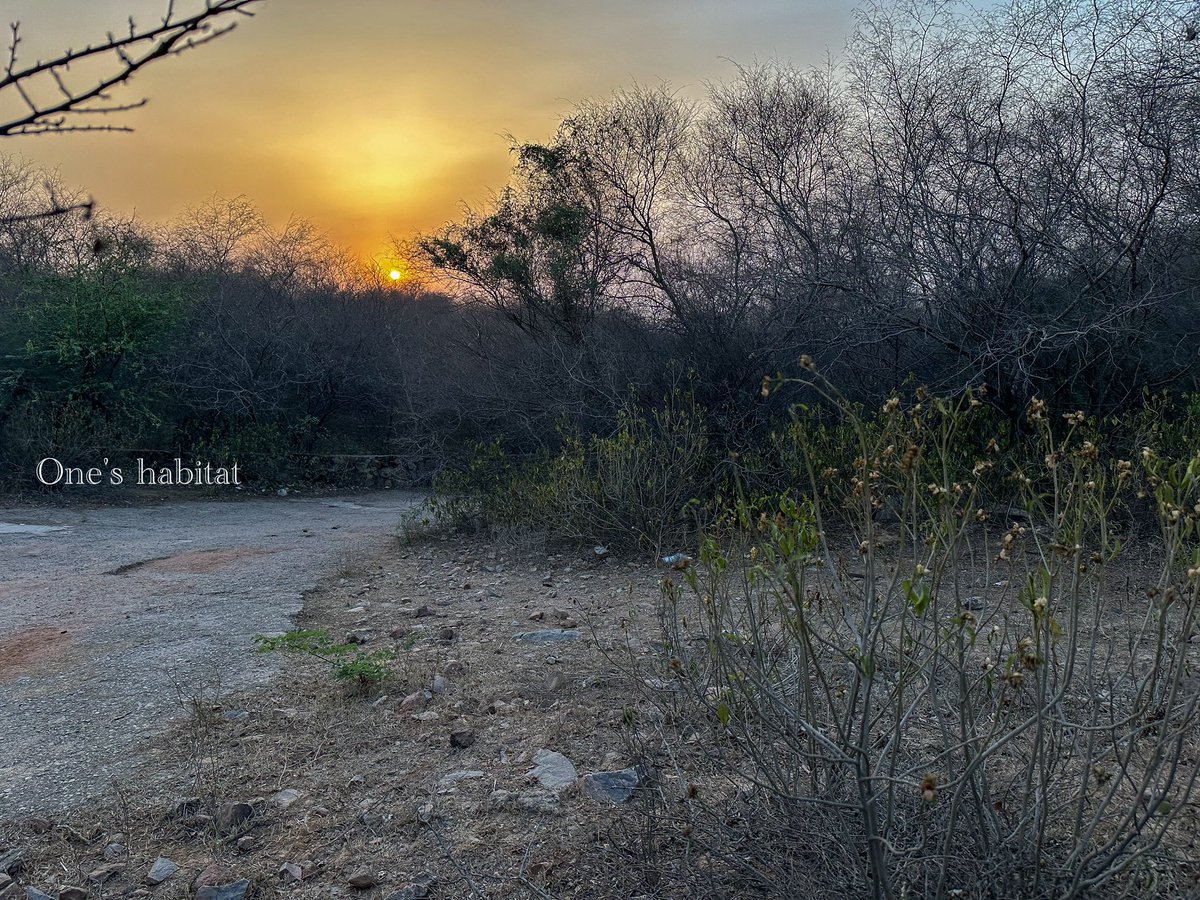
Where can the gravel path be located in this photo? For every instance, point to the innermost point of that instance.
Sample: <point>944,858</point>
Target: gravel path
<point>109,616</point>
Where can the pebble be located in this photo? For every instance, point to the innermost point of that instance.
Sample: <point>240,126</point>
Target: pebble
<point>553,770</point>
<point>361,881</point>
<point>285,798</point>
<point>235,891</point>
<point>70,892</point>
<point>461,738</point>
<point>613,787</point>
<point>160,871</point>
<point>417,889</point>
<point>548,636</point>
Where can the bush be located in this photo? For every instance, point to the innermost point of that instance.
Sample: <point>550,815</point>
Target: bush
<point>980,705</point>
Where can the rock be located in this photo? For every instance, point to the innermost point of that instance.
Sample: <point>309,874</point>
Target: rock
<point>161,870</point>
<point>235,891</point>
<point>38,825</point>
<point>553,770</point>
<point>462,738</point>
<point>35,894</point>
<point>537,616</point>
<point>568,622</point>
<point>245,843</point>
<point>235,715</point>
<point>114,851</point>
<point>417,889</point>
<point>290,872</point>
<point>423,611</point>
<point>12,861</point>
<point>361,881</point>
<point>400,632</point>
<point>211,876</point>
<point>549,636</point>
<point>613,787</point>
<point>285,798</point>
<point>360,636</point>
<point>70,892</point>
<point>440,685</point>
<point>103,873</point>
<point>231,817</point>
<point>446,635</point>
<point>455,668</point>
<point>413,702</point>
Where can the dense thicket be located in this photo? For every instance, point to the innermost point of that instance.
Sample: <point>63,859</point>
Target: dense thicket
<point>1008,197</point>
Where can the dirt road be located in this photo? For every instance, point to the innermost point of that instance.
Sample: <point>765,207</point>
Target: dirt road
<point>108,617</point>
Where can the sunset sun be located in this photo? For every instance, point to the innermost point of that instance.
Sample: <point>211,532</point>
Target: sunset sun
<point>395,274</point>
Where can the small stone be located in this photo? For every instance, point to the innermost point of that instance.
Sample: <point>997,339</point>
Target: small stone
<point>440,685</point>
<point>102,874</point>
<point>568,622</point>
<point>290,872</point>
<point>423,611</point>
<point>70,892</point>
<point>114,851</point>
<point>462,738</point>
<point>447,782</point>
<point>455,668</point>
<point>245,843</point>
<point>613,787</point>
<point>235,715</point>
<point>12,861</point>
<point>549,636</point>
<point>413,702</point>
<point>231,817</point>
<point>430,715</point>
<point>400,632</point>
<point>161,870</point>
<point>360,636</point>
<point>35,894</point>
<point>361,881</point>
<point>234,891</point>
<point>553,770</point>
<point>38,825</point>
<point>417,889</point>
<point>211,876</point>
<point>285,798</point>
<point>446,634</point>
<point>537,616</point>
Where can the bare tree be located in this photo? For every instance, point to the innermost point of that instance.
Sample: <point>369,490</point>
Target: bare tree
<point>49,99</point>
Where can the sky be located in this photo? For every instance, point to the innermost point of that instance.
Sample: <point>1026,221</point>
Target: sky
<point>381,118</point>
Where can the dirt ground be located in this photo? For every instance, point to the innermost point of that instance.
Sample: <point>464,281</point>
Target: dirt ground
<point>421,789</point>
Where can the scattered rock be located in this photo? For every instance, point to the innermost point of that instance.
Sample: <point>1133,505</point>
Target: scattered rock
<point>234,891</point>
<point>537,616</point>
<point>455,668</point>
<point>231,817</point>
<point>400,632</point>
<point>549,636</point>
<point>568,622</point>
<point>417,889</point>
<point>360,636</point>
<point>12,861</point>
<point>462,738</point>
<point>160,871</point>
<point>285,798</point>
<point>70,892</point>
<point>613,787</point>
<point>245,843</point>
<point>413,702</point>
<point>290,872</point>
<point>553,770</point>
<point>102,874</point>
<point>35,894</point>
<point>361,881</point>
<point>210,877</point>
<point>446,635</point>
<point>440,685</point>
<point>114,851</point>
<point>423,611</point>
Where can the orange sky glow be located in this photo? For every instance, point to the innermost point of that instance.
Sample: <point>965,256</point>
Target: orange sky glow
<point>377,119</point>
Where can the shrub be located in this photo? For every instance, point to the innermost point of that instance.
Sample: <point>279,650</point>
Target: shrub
<point>981,705</point>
